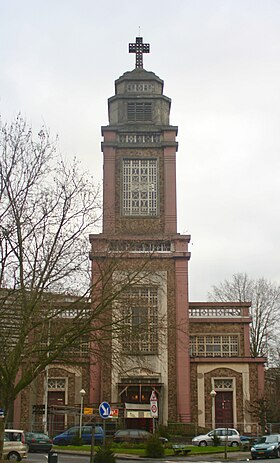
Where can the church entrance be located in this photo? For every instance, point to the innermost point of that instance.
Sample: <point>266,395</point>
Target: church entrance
<point>57,420</point>
<point>224,409</point>
<point>136,401</point>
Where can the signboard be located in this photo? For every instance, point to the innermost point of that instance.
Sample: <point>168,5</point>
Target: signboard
<point>154,405</point>
<point>114,413</point>
<point>132,414</point>
<point>104,410</point>
<point>88,411</point>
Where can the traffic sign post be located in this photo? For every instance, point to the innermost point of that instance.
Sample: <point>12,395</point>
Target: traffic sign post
<point>154,408</point>
<point>104,412</point>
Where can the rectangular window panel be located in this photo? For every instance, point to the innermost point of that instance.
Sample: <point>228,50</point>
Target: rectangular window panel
<point>214,346</point>
<point>140,187</point>
<point>140,317</point>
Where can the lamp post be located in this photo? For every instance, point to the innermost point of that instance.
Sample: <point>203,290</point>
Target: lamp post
<point>213,394</point>
<point>82,394</point>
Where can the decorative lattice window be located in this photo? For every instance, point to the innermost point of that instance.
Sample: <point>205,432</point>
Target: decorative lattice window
<point>80,348</point>
<point>140,187</point>
<point>223,383</point>
<point>140,87</point>
<point>143,246</point>
<point>140,318</point>
<point>56,384</point>
<point>139,112</point>
<point>214,346</point>
<point>134,138</point>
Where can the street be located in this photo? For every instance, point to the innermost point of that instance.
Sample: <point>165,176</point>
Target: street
<point>70,458</point>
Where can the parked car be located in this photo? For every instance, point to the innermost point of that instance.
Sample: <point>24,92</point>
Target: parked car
<point>14,448</point>
<point>70,434</point>
<point>248,440</point>
<point>229,434</point>
<point>267,446</point>
<point>134,435</point>
<point>38,442</point>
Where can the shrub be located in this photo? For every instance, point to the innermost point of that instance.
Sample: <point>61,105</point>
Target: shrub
<point>154,448</point>
<point>104,455</point>
<point>163,431</point>
<point>76,440</point>
<point>216,440</point>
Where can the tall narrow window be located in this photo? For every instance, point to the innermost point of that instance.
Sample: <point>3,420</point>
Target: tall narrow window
<point>140,187</point>
<point>140,316</point>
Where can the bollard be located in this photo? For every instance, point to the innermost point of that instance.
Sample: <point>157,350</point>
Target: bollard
<point>52,457</point>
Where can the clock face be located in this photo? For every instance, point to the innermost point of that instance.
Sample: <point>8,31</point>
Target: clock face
<point>140,187</point>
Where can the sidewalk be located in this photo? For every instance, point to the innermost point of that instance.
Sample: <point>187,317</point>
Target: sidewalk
<point>238,456</point>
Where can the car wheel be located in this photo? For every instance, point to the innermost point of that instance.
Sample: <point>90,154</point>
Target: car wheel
<point>234,444</point>
<point>253,457</point>
<point>203,443</point>
<point>277,453</point>
<point>13,456</point>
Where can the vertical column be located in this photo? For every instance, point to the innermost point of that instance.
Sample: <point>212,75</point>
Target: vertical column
<point>182,341</point>
<point>170,208</point>
<point>109,182</point>
<point>95,359</point>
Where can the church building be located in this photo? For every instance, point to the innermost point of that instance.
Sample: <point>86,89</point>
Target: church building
<point>200,371</point>
<point>169,360</point>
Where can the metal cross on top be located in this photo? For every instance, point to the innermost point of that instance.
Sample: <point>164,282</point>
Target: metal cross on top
<point>139,48</point>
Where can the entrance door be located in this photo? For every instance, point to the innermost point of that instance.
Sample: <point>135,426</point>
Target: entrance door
<point>224,409</point>
<point>56,419</point>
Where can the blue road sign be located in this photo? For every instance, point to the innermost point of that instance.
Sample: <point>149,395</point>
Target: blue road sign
<point>1,412</point>
<point>104,410</point>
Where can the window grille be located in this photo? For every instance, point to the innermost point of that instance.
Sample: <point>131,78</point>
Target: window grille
<point>139,112</point>
<point>140,315</point>
<point>214,346</point>
<point>140,187</point>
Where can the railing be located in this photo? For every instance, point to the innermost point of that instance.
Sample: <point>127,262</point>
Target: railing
<point>218,312</point>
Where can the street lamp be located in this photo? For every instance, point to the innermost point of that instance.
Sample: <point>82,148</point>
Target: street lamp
<point>213,394</point>
<point>82,394</point>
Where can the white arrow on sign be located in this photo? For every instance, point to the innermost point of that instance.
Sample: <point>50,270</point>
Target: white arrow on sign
<point>105,410</point>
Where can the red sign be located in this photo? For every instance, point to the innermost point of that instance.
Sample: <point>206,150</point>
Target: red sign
<point>114,413</point>
<point>154,405</point>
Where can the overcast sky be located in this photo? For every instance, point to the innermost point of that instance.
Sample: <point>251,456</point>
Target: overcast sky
<point>220,61</point>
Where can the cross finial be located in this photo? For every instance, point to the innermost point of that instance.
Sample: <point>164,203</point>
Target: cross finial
<point>139,48</point>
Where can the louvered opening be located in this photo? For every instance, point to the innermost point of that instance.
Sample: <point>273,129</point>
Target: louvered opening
<point>139,112</point>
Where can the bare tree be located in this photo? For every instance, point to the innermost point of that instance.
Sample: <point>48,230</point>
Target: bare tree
<point>265,299</point>
<point>48,306</point>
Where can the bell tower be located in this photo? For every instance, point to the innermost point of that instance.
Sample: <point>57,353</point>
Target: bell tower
<point>139,214</point>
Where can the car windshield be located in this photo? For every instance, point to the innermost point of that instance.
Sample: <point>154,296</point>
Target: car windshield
<point>268,440</point>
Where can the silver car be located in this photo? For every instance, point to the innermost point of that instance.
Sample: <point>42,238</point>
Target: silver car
<point>224,434</point>
<point>14,448</point>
